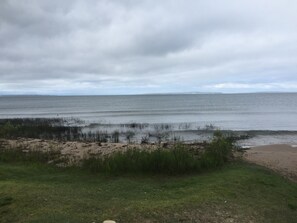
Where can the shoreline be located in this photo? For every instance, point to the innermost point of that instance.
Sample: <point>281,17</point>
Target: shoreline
<point>281,158</point>
<point>276,150</point>
<point>76,130</point>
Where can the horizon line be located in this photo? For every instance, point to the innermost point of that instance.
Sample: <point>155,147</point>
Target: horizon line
<point>140,94</point>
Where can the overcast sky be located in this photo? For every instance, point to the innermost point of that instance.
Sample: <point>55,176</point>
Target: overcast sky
<point>135,47</point>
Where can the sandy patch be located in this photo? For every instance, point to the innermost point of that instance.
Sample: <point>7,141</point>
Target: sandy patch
<point>281,158</point>
<point>73,150</point>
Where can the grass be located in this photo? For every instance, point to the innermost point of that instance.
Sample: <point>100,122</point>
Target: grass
<point>237,192</point>
<point>18,155</point>
<point>177,160</point>
<point>181,187</point>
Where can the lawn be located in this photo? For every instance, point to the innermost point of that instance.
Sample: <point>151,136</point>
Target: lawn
<point>237,192</point>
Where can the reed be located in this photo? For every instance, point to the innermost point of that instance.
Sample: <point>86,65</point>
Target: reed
<point>178,160</point>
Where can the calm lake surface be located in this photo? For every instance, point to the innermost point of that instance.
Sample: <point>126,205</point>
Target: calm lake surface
<point>228,111</point>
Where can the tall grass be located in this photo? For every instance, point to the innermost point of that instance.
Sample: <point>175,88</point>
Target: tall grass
<point>9,155</point>
<point>178,160</point>
<point>172,161</point>
<point>41,129</point>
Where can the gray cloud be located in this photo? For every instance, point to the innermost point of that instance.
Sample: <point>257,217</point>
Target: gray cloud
<point>115,47</point>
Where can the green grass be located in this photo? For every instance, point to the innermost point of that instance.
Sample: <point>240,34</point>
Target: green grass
<point>173,161</point>
<point>181,187</point>
<point>238,191</point>
<point>18,155</point>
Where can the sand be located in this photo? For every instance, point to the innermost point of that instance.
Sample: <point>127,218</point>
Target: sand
<point>73,150</point>
<point>281,158</point>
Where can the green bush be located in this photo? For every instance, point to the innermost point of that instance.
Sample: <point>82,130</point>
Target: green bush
<point>8,130</point>
<point>218,152</point>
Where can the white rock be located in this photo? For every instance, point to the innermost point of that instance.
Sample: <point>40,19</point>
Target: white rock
<point>109,221</point>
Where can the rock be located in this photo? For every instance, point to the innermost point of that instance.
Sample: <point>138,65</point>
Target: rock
<point>109,221</point>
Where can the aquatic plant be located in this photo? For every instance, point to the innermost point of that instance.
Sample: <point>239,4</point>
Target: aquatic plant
<point>115,137</point>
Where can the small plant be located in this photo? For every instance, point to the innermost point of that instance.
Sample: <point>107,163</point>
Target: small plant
<point>101,136</point>
<point>129,136</point>
<point>8,130</point>
<point>176,139</point>
<point>210,127</point>
<point>145,139</point>
<point>184,126</point>
<point>162,127</point>
<point>162,136</point>
<point>115,137</point>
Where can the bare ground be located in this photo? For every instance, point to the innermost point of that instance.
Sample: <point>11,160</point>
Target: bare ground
<point>281,158</point>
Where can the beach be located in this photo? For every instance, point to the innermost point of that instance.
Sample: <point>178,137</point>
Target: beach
<point>281,158</point>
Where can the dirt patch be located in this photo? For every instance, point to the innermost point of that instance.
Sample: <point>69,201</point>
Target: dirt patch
<point>281,158</point>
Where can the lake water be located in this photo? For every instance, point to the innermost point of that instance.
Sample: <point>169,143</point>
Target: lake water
<point>228,111</point>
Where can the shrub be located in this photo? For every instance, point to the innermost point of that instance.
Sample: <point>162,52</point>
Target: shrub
<point>8,130</point>
<point>218,152</point>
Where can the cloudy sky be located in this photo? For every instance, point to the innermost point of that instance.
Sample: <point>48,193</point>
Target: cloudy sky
<point>135,47</point>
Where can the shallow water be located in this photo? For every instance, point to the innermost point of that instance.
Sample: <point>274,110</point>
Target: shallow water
<point>270,139</point>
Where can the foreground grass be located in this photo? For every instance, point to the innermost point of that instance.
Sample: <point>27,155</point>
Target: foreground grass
<point>237,192</point>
